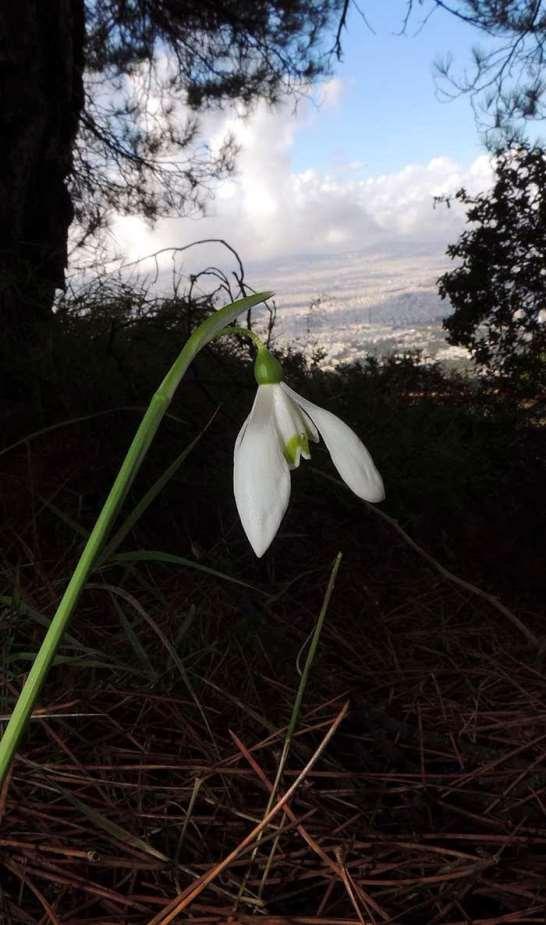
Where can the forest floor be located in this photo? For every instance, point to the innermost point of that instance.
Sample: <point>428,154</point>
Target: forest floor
<point>414,789</point>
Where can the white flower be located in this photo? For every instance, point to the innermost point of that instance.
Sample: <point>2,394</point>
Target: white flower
<point>272,441</point>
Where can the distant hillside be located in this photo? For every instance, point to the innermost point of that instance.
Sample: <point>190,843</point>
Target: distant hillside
<point>348,305</point>
<point>357,303</point>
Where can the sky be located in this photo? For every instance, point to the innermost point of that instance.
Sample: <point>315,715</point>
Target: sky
<point>388,111</point>
<point>354,166</point>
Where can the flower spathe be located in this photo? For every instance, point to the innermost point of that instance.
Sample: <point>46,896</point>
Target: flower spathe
<point>272,441</point>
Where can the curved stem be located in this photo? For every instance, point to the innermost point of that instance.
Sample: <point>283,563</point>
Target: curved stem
<point>207,330</point>
<point>249,334</point>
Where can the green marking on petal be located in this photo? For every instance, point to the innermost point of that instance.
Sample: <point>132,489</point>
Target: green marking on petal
<point>297,445</point>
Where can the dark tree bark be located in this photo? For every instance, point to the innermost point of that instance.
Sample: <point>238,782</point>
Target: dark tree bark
<point>41,98</point>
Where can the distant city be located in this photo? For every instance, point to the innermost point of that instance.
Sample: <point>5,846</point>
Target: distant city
<point>359,303</point>
<point>345,305</point>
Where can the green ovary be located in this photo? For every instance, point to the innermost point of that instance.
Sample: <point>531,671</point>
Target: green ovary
<point>296,446</point>
<point>267,369</point>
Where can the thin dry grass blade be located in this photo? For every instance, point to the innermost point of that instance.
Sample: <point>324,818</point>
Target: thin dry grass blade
<point>182,902</point>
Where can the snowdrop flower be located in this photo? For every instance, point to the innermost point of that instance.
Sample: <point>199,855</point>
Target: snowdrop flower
<point>271,442</point>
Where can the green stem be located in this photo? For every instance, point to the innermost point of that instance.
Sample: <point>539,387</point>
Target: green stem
<point>210,328</point>
<point>249,334</point>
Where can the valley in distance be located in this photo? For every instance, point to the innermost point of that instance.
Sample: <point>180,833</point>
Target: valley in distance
<point>361,303</point>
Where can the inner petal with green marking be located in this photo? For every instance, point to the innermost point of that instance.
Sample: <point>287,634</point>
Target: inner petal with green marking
<point>292,425</point>
<point>296,446</point>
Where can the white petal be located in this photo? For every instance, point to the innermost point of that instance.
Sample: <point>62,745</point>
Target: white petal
<point>261,478</point>
<point>291,418</point>
<point>293,427</point>
<point>349,455</point>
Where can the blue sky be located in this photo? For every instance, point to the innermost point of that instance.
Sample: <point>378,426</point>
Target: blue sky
<point>389,113</point>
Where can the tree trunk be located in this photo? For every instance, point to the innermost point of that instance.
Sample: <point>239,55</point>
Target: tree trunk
<point>41,97</point>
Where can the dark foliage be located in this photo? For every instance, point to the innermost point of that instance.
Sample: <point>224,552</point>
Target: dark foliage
<point>446,446</point>
<point>498,288</point>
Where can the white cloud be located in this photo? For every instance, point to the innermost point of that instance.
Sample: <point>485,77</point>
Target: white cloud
<point>268,210</point>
